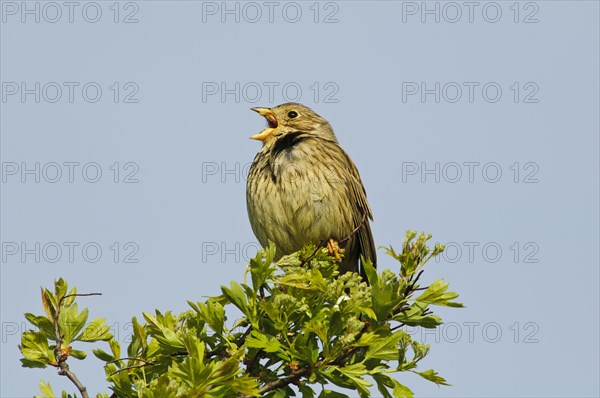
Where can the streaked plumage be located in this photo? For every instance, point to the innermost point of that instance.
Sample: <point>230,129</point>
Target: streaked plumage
<point>303,188</point>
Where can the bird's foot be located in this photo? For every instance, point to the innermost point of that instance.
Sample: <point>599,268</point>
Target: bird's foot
<point>334,250</point>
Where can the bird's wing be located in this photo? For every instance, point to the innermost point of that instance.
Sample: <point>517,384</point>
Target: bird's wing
<point>360,212</point>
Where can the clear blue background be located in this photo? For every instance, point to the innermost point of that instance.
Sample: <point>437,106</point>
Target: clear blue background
<point>546,311</point>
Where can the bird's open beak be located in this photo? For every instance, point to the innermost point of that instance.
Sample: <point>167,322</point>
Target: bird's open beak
<point>271,120</point>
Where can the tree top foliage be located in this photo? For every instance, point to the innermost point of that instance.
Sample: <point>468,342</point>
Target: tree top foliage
<point>304,328</point>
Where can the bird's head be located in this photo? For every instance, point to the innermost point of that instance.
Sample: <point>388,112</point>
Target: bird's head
<point>291,118</point>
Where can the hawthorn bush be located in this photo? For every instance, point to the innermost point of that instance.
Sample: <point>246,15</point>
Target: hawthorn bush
<point>304,329</point>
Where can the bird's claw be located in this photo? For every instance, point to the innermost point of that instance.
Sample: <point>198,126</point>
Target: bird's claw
<point>334,250</point>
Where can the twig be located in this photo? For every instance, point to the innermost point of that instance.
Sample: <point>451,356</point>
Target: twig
<point>242,339</point>
<point>130,359</point>
<point>307,259</point>
<point>78,295</point>
<point>359,226</point>
<point>61,357</point>
<point>64,371</point>
<point>295,376</point>
<point>146,363</point>
<point>130,367</point>
<point>410,288</point>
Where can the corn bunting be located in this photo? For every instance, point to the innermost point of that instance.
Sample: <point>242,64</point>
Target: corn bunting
<point>303,188</point>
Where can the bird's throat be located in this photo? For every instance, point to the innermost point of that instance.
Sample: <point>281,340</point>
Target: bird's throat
<point>287,142</point>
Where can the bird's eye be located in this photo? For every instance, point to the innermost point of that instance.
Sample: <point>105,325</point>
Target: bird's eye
<point>292,114</point>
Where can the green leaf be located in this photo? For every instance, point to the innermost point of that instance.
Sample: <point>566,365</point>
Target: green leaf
<point>96,330</point>
<point>48,303</point>
<point>355,373</point>
<point>71,322</point>
<point>383,383</point>
<point>115,348</point>
<point>46,390</point>
<point>236,296</point>
<point>435,294</point>
<point>381,347</point>
<point>432,376</point>
<point>413,316</point>
<point>279,393</point>
<point>299,281</point>
<point>385,297</point>
<point>213,314</point>
<point>191,371</point>
<point>401,391</point>
<point>262,341</point>
<point>245,384</point>
<point>371,273</point>
<point>103,355</point>
<point>332,394</point>
<point>261,266</point>
<point>162,328</point>
<point>44,324</point>
<point>306,391</point>
<point>60,288</point>
<point>319,325</point>
<point>78,354</point>
<point>35,350</point>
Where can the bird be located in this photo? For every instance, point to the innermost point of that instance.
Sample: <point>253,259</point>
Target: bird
<point>303,188</point>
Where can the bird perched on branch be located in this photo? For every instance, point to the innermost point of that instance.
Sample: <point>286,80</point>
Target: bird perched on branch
<point>303,188</point>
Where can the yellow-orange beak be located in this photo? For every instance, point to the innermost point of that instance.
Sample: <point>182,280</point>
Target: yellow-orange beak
<point>271,120</point>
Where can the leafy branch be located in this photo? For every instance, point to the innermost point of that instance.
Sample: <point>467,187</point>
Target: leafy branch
<point>63,325</point>
<point>304,326</point>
